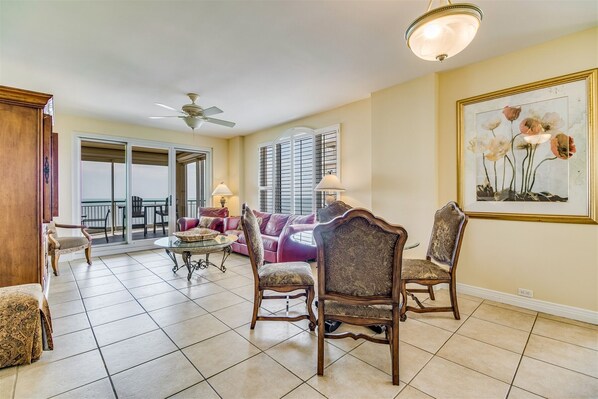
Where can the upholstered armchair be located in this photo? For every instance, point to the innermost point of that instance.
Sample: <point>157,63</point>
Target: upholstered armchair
<point>359,274</point>
<point>440,265</point>
<point>282,277</point>
<point>63,245</point>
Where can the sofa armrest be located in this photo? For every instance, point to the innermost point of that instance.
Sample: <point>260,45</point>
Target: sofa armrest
<point>291,251</point>
<point>185,223</point>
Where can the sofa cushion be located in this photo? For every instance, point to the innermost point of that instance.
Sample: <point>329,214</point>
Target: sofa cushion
<point>270,243</point>
<point>265,219</point>
<point>302,219</point>
<point>213,212</point>
<point>275,224</point>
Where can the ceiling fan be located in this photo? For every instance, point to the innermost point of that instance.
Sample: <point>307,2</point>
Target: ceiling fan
<point>194,115</point>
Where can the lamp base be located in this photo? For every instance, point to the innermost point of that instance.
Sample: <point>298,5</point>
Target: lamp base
<point>329,199</point>
<point>222,201</point>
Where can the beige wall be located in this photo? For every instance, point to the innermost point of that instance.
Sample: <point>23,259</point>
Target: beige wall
<point>404,166</point>
<point>411,170</point>
<point>68,125</point>
<point>356,162</point>
<point>559,262</point>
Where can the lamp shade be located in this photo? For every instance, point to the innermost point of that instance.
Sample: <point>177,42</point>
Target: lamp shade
<point>329,183</point>
<point>443,32</point>
<point>222,190</point>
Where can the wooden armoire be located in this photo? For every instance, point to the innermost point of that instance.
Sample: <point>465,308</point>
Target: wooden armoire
<point>28,187</point>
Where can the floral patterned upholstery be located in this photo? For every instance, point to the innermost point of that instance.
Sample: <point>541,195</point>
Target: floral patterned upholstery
<point>448,224</point>
<point>415,269</point>
<point>335,308</point>
<point>359,259</point>
<point>253,237</point>
<point>336,208</point>
<point>287,273</point>
<point>24,312</point>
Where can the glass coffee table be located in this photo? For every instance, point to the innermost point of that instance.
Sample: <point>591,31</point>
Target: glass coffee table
<point>173,246</point>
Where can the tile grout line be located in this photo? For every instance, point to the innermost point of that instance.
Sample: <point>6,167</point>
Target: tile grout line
<point>95,338</point>
<point>521,358</point>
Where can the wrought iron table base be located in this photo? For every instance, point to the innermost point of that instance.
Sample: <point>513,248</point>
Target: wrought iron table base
<point>200,264</point>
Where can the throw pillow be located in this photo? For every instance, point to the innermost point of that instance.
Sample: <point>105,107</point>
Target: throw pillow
<point>206,221</point>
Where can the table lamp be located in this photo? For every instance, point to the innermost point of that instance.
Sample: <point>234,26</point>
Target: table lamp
<point>329,184</point>
<point>223,191</point>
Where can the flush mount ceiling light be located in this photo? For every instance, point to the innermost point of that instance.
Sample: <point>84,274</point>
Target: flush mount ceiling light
<point>444,31</point>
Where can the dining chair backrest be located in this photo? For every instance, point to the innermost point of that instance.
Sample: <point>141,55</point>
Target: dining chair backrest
<point>447,234</point>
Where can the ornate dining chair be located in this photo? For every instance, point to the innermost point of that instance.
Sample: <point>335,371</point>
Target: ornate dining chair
<point>334,209</point>
<point>281,277</point>
<point>440,265</point>
<point>63,245</point>
<point>359,273</point>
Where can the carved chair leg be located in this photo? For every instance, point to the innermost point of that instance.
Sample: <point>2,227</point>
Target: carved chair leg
<point>394,347</point>
<point>403,312</point>
<point>310,298</point>
<point>88,254</point>
<point>454,299</point>
<point>54,262</point>
<point>256,305</point>
<point>321,333</point>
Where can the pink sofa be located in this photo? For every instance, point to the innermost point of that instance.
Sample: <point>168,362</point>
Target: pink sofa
<point>276,232</point>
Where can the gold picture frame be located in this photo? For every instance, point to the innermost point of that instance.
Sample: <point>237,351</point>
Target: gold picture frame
<point>529,152</point>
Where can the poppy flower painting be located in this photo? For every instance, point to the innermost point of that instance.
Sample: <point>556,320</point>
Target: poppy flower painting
<point>525,152</point>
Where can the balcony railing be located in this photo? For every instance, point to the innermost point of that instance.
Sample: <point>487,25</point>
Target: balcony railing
<point>97,209</point>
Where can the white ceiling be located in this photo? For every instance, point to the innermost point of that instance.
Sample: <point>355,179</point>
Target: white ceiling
<point>262,62</point>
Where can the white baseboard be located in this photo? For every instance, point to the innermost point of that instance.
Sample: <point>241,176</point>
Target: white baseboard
<point>556,309</point>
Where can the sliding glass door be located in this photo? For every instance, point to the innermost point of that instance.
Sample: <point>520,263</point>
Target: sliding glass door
<point>133,192</point>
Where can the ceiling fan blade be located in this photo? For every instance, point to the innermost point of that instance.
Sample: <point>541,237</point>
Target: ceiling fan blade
<point>168,107</point>
<point>220,122</point>
<point>169,116</point>
<point>212,111</point>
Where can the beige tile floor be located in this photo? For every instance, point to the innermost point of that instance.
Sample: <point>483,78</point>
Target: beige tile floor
<point>128,327</point>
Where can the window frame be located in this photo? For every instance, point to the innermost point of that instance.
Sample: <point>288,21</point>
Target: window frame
<point>294,135</point>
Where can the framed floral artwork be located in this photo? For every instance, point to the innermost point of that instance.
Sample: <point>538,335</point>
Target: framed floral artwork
<point>529,152</point>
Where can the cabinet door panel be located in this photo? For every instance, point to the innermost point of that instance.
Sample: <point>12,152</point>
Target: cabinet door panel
<point>54,152</point>
<point>46,170</point>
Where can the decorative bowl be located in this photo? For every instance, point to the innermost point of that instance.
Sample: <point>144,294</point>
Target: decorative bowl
<point>196,234</point>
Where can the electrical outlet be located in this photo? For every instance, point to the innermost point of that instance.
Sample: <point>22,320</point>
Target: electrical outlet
<point>525,292</point>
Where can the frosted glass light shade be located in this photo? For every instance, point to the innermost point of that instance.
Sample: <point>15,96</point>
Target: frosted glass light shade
<point>193,122</point>
<point>444,31</point>
<point>329,183</point>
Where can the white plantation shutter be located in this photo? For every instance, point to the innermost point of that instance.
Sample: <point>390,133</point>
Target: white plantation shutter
<point>290,168</point>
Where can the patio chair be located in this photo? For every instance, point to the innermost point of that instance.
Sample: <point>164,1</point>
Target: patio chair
<point>99,224</point>
<point>161,211</point>
<point>137,211</point>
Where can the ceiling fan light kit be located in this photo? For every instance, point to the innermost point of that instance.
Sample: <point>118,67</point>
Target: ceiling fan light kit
<point>444,31</point>
<point>194,115</point>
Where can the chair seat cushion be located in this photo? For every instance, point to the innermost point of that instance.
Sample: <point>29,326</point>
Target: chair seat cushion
<point>71,242</point>
<point>421,269</point>
<point>334,308</point>
<point>285,273</point>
